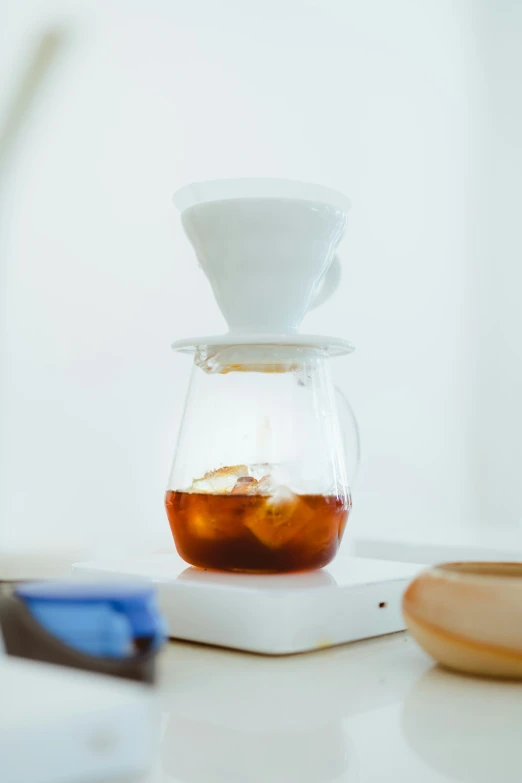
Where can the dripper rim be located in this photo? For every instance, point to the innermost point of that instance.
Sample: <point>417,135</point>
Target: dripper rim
<point>203,192</point>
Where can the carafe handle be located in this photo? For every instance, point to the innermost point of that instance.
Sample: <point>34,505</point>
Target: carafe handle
<point>351,437</point>
<point>328,284</point>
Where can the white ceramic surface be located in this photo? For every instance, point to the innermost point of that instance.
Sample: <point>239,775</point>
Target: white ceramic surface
<point>349,599</point>
<point>59,725</point>
<point>267,255</point>
<point>366,712</point>
<point>334,345</point>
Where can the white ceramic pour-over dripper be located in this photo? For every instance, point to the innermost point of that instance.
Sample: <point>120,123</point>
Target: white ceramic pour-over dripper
<point>267,248</point>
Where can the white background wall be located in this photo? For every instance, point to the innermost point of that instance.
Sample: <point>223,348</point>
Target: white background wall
<point>395,104</point>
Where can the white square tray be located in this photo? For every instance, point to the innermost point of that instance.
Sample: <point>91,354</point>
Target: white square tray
<point>351,599</point>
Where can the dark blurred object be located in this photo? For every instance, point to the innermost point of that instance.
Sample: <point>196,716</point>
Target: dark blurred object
<point>71,624</point>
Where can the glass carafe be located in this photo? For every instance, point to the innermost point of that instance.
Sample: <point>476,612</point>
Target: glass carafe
<point>262,471</point>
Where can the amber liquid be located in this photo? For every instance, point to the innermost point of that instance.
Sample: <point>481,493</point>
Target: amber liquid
<point>254,533</point>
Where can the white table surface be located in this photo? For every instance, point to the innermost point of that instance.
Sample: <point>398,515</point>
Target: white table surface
<point>366,712</point>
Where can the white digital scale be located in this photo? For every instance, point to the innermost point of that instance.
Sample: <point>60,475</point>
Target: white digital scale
<point>353,598</point>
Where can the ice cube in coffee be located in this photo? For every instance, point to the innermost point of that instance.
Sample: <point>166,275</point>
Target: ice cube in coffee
<point>232,520</point>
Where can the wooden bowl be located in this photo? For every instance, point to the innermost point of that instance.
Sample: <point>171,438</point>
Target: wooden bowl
<point>468,616</point>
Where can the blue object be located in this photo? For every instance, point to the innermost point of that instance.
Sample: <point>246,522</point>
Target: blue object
<point>98,619</point>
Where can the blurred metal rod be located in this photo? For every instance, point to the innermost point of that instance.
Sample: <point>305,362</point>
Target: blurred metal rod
<point>40,63</point>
